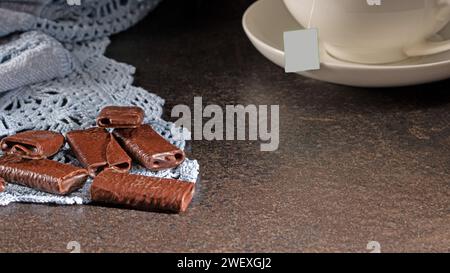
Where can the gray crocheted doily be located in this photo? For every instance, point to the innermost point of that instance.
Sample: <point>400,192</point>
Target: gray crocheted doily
<point>90,20</point>
<point>84,82</point>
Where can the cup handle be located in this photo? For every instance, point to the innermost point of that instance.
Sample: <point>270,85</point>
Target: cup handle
<point>428,47</point>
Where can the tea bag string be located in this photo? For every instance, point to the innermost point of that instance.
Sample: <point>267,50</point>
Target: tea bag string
<point>311,13</point>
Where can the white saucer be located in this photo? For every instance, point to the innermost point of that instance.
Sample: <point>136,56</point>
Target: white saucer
<point>266,20</point>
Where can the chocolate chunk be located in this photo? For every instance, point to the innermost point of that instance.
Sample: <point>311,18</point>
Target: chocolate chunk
<point>33,144</point>
<point>2,184</point>
<point>142,192</point>
<point>96,149</point>
<point>149,148</point>
<point>120,117</point>
<point>116,157</point>
<point>42,174</point>
<point>89,147</point>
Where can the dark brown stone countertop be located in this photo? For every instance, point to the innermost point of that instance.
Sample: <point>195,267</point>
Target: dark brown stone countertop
<point>354,165</point>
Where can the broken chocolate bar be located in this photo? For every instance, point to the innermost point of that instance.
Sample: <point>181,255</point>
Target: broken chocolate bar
<point>2,184</point>
<point>96,149</point>
<point>142,192</point>
<point>42,174</point>
<point>33,144</point>
<point>120,117</point>
<point>149,148</point>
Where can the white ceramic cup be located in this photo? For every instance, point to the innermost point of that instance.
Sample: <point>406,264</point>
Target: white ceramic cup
<point>356,31</point>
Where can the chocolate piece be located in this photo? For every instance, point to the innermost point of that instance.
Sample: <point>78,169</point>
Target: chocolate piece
<point>89,147</point>
<point>96,149</point>
<point>149,148</point>
<point>120,117</point>
<point>142,192</point>
<point>33,144</point>
<point>2,184</point>
<point>42,174</point>
<point>116,157</point>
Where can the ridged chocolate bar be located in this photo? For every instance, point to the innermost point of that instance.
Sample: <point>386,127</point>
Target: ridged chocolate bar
<point>2,184</point>
<point>116,156</point>
<point>148,148</point>
<point>42,174</point>
<point>120,117</point>
<point>96,149</point>
<point>33,144</point>
<point>142,192</point>
<point>89,147</point>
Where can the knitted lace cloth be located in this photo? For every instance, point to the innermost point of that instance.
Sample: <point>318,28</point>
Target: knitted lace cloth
<point>70,102</point>
<point>92,19</point>
<point>31,58</point>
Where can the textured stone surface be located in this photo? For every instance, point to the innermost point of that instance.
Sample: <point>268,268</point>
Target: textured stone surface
<point>354,165</point>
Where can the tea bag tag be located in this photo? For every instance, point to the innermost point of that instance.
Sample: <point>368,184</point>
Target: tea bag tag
<point>301,47</point>
<point>301,50</point>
